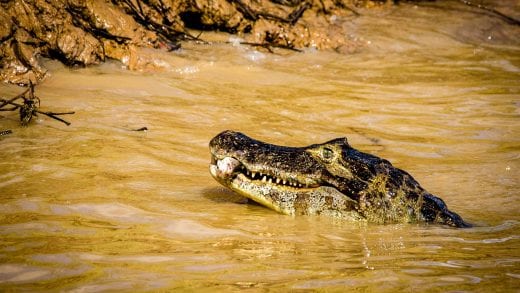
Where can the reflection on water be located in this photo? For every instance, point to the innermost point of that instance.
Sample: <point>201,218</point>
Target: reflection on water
<point>96,206</point>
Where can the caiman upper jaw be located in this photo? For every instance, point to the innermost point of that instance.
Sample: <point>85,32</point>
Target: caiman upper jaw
<point>233,152</point>
<point>228,168</point>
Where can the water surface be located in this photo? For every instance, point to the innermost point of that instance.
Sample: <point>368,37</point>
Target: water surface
<point>95,206</point>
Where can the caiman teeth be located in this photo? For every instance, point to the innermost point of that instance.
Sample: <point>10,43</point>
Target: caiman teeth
<point>229,166</point>
<point>270,179</point>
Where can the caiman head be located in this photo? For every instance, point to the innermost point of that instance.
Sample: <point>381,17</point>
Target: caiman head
<point>331,178</point>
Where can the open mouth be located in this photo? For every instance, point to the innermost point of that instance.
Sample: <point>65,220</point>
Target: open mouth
<point>229,168</point>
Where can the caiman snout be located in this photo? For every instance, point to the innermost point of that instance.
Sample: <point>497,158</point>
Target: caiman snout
<point>229,142</point>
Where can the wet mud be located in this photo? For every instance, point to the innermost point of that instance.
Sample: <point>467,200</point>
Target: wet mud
<point>88,32</point>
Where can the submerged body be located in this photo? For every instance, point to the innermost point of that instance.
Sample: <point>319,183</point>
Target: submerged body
<point>324,179</point>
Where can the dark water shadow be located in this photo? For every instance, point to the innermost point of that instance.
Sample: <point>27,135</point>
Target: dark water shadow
<point>222,194</point>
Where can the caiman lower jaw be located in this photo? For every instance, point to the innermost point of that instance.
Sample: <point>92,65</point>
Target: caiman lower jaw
<point>256,186</point>
<point>289,199</point>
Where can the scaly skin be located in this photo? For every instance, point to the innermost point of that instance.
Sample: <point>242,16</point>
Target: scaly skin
<point>331,179</point>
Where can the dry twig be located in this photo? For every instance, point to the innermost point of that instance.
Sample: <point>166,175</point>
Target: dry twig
<point>29,107</point>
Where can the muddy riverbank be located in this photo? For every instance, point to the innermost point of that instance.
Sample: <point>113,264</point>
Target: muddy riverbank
<point>81,33</point>
<point>89,32</point>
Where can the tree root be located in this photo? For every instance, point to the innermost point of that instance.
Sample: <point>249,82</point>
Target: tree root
<point>251,14</point>
<point>269,46</point>
<point>494,12</point>
<point>29,108</point>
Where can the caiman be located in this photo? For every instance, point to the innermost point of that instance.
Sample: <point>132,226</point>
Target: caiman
<point>331,178</point>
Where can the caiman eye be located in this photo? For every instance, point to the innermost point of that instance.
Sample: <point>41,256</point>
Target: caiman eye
<point>327,154</point>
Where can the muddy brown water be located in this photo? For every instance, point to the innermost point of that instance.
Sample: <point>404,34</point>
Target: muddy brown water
<point>97,207</point>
